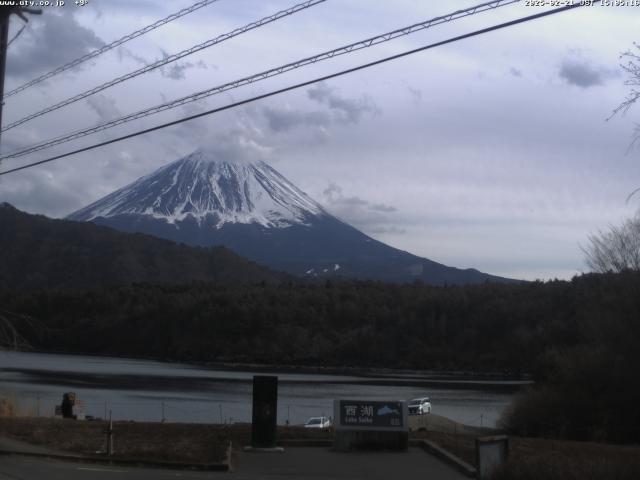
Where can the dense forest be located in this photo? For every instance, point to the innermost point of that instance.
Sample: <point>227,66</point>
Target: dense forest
<point>478,327</point>
<point>483,327</point>
<point>579,339</point>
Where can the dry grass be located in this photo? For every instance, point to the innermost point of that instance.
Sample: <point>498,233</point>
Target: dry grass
<point>151,441</point>
<point>557,467</point>
<point>530,458</point>
<point>536,458</point>
<point>177,442</point>
<point>7,407</point>
<point>567,460</point>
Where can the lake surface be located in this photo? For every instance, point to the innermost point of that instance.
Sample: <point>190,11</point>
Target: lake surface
<point>144,390</point>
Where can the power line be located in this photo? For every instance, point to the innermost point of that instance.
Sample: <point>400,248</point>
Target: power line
<point>16,35</point>
<point>172,58</point>
<point>385,37</point>
<point>300,85</point>
<point>114,44</point>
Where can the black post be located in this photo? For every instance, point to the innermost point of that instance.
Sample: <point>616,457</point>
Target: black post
<point>5,13</point>
<point>110,436</point>
<point>68,401</point>
<point>265,411</point>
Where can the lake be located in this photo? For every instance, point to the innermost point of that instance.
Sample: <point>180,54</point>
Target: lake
<point>144,390</point>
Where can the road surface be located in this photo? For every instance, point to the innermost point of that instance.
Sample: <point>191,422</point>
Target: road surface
<point>297,462</point>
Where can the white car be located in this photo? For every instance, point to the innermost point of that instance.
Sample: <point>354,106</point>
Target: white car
<point>318,422</point>
<point>419,406</point>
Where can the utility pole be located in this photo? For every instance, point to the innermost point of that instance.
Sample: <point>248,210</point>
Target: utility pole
<point>110,436</point>
<point>5,14</point>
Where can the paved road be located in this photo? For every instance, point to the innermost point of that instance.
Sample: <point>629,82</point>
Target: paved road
<point>13,445</point>
<point>321,464</point>
<point>296,463</point>
<point>25,468</point>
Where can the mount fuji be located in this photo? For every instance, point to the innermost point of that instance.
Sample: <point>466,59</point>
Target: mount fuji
<point>252,209</point>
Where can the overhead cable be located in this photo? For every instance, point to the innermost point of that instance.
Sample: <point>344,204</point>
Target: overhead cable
<point>171,58</point>
<point>16,35</point>
<point>299,85</point>
<point>106,48</point>
<point>385,37</point>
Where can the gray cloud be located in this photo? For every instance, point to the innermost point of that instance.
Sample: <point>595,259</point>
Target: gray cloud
<point>381,207</point>
<point>52,39</point>
<point>371,218</point>
<point>345,110</point>
<point>332,191</point>
<point>333,194</point>
<point>353,202</point>
<point>124,52</point>
<point>281,120</point>
<point>349,109</point>
<point>176,70</point>
<point>391,229</point>
<point>581,73</point>
<point>416,94</point>
<point>104,106</point>
<point>236,144</point>
<point>38,191</point>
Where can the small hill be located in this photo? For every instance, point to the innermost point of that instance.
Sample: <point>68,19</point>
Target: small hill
<point>38,252</point>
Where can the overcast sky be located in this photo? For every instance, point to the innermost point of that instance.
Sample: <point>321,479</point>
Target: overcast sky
<point>493,152</point>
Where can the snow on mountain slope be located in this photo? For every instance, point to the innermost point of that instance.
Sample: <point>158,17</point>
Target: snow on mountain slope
<point>198,186</point>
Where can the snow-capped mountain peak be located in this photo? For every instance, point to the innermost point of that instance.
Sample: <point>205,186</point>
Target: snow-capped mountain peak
<point>211,197</point>
<point>200,186</point>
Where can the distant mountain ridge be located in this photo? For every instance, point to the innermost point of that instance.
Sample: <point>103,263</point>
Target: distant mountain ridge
<point>255,211</point>
<point>38,252</point>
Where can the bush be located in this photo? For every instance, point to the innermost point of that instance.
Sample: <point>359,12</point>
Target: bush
<point>588,393</point>
<point>559,468</point>
<point>7,408</point>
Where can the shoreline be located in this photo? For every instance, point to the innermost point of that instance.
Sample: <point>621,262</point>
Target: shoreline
<point>454,379</point>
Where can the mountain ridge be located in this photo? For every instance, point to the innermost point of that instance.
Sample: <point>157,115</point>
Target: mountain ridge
<point>255,211</point>
<point>40,252</point>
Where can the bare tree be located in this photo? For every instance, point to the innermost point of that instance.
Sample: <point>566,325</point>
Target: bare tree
<point>615,250</point>
<point>11,325</point>
<point>10,339</point>
<point>631,65</point>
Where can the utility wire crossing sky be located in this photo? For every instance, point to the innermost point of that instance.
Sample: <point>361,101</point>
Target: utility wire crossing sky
<point>352,47</point>
<point>490,153</point>
<point>299,85</point>
<point>106,48</point>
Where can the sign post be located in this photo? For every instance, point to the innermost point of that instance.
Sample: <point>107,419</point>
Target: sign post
<point>376,424</point>
<point>491,452</point>
<point>265,411</point>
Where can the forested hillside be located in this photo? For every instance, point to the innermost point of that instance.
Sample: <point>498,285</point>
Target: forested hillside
<point>482,327</point>
<point>39,252</point>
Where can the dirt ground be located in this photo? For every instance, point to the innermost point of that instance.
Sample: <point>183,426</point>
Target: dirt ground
<point>175,442</point>
<point>538,458</point>
<point>204,443</point>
